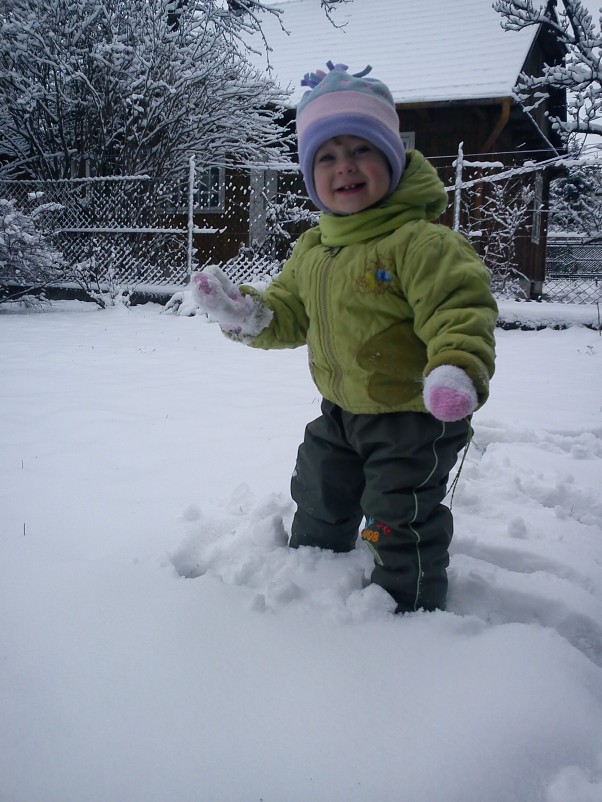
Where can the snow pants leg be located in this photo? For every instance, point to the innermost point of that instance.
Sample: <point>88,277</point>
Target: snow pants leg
<point>327,485</point>
<point>393,469</point>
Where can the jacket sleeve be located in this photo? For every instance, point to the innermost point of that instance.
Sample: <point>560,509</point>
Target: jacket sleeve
<point>288,328</point>
<point>455,314</point>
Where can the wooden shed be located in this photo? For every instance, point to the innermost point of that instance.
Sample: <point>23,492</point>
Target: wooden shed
<point>451,68</point>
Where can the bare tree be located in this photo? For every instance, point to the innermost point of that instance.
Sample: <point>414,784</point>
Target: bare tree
<point>580,74</point>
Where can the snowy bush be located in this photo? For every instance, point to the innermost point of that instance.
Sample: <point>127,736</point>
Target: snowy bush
<point>101,283</point>
<point>495,216</point>
<point>283,213</point>
<point>27,261</point>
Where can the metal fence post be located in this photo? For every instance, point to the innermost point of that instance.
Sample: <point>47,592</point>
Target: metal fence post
<point>458,186</point>
<point>191,176</point>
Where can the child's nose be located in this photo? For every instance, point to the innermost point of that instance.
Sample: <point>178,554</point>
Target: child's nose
<point>346,165</point>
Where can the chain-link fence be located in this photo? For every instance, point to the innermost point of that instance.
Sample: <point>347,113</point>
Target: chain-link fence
<point>573,271</point>
<point>143,232</point>
<point>129,227</point>
<point>504,211</point>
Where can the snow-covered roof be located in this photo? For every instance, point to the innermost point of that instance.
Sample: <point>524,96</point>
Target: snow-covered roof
<point>424,50</point>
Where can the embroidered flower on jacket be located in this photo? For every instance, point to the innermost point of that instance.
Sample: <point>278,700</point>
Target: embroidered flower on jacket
<point>375,279</point>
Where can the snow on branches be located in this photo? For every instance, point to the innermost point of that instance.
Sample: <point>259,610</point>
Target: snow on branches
<point>27,261</point>
<point>580,74</point>
<point>128,88</point>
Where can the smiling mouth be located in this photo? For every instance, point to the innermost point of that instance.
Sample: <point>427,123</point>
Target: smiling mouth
<point>350,187</point>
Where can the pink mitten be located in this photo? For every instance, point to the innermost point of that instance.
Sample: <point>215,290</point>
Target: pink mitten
<point>237,314</point>
<point>449,393</point>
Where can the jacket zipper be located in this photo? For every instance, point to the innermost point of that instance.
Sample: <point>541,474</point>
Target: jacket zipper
<point>327,330</point>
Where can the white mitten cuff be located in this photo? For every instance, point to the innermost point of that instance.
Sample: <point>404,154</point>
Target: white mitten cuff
<point>449,394</point>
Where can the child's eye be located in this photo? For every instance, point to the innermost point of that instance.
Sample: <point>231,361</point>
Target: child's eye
<point>362,149</point>
<point>325,157</point>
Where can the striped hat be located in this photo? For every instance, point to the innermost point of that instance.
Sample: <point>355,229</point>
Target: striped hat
<point>338,104</point>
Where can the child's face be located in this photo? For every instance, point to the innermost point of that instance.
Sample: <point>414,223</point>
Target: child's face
<point>350,174</point>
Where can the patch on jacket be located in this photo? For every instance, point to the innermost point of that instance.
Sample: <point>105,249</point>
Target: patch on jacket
<point>395,360</point>
<point>375,279</point>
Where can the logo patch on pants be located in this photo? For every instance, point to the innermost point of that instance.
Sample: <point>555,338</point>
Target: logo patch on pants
<point>372,535</point>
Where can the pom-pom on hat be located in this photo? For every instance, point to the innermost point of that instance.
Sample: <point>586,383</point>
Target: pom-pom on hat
<point>339,104</point>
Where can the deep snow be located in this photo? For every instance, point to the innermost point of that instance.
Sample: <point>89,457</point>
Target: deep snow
<point>160,643</point>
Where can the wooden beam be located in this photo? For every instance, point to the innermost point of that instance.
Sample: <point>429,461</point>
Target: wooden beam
<point>499,126</point>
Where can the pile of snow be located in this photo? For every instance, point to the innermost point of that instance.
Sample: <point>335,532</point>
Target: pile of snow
<point>160,641</point>
<point>512,314</point>
<point>533,315</point>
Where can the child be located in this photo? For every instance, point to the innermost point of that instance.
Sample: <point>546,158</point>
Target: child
<point>399,322</point>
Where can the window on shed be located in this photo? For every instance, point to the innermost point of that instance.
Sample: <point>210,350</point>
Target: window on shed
<point>210,190</point>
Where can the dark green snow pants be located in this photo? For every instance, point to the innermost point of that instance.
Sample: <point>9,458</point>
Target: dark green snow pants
<point>393,469</point>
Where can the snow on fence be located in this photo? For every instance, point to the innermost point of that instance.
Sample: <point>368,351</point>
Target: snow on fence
<point>142,232</point>
<point>132,227</point>
<point>512,208</point>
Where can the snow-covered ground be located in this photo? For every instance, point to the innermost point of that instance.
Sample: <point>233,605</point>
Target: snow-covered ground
<point>159,642</point>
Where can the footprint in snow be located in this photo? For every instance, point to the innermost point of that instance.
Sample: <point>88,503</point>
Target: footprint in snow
<point>500,596</point>
<point>513,559</point>
<point>248,546</point>
<point>527,539</point>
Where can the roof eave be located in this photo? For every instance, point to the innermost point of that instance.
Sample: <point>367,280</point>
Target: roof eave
<point>497,100</point>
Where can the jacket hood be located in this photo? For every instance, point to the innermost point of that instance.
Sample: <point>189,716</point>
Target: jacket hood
<point>420,195</point>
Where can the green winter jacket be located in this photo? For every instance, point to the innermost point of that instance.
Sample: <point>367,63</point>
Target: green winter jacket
<point>382,297</point>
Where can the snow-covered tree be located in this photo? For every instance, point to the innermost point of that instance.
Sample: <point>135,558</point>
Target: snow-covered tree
<point>288,210</point>
<point>131,87</point>
<point>27,261</point>
<point>576,198</point>
<point>580,74</point>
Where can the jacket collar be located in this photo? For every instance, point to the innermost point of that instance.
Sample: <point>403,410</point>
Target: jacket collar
<point>420,195</point>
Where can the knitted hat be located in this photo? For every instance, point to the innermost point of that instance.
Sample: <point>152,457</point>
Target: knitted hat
<point>342,104</point>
